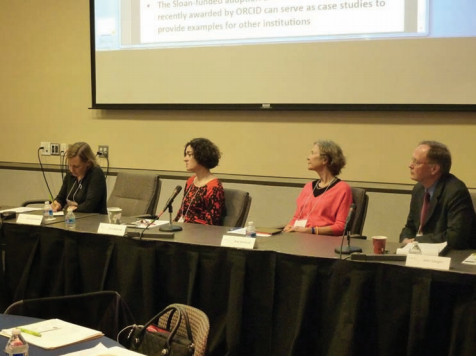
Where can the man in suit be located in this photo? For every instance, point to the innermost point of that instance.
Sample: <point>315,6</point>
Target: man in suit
<point>448,213</point>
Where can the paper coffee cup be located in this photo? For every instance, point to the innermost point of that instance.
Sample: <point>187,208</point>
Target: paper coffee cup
<point>114,215</point>
<point>379,244</point>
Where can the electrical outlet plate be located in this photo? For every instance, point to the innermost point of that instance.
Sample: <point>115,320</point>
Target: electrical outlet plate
<point>55,149</point>
<point>104,151</point>
<point>46,151</point>
<point>63,148</point>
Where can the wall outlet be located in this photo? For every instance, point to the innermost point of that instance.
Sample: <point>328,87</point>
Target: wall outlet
<point>55,149</point>
<point>63,148</point>
<point>46,151</point>
<point>103,151</point>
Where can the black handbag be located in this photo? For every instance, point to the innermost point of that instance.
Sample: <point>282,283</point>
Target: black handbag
<point>163,342</point>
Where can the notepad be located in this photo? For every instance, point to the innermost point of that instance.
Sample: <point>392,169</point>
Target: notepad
<point>55,333</point>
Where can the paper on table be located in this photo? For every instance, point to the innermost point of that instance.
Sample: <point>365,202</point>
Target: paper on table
<point>55,333</point>
<point>426,249</point>
<point>471,260</point>
<point>101,350</point>
<point>242,231</point>
<point>88,352</point>
<point>142,223</point>
<point>20,210</point>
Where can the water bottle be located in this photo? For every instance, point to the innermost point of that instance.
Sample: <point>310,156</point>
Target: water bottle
<point>70,220</point>
<point>416,250</point>
<point>251,230</point>
<point>16,345</point>
<point>48,212</point>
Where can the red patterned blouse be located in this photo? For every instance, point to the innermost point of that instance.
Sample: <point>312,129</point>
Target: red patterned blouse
<point>203,205</point>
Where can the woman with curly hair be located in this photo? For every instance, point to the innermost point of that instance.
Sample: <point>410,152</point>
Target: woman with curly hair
<point>204,198</point>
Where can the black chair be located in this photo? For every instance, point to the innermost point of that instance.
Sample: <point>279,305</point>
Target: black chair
<point>361,200</point>
<point>105,311</point>
<point>238,203</point>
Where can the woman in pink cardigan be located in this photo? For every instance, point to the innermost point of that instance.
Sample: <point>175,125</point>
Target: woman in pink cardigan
<point>323,204</point>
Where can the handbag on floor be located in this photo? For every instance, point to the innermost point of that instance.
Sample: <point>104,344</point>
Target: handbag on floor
<point>152,340</point>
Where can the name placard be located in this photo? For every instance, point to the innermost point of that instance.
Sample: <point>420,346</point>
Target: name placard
<point>112,229</point>
<point>425,261</point>
<point>238,241</point>
<point>29,219</point>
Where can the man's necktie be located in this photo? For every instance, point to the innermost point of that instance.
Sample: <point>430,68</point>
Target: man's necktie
<point>424,212</point>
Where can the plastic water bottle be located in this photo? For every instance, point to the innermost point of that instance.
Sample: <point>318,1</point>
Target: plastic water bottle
<point>416,250</point>
<point>16,345</point>
<point>48,211</point>
<point>251,230</point>
<point>70,220</point>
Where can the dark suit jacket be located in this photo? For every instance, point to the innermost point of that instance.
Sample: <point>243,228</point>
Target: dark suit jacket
<point>451,216</point>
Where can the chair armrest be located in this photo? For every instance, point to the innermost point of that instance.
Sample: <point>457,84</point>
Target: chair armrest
<point>357,236</point>
<point>37,201</point>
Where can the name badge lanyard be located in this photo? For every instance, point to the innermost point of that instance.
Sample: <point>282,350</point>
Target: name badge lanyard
<point>317,201</point>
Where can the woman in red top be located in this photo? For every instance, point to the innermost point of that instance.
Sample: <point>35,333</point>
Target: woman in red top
<point>323,204</point>
<point>204,198</point>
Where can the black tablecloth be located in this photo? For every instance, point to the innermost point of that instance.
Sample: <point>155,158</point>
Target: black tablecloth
<point>259,302</point>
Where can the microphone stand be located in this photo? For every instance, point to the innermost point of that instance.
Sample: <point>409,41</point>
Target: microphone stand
<point>347,250</point>
<point>170,227</point>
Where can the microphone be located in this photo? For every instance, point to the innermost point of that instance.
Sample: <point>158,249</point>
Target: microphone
<point>350,217</point>
<point>176,191</point>
<point>348,249</point>
<point>170,227</point>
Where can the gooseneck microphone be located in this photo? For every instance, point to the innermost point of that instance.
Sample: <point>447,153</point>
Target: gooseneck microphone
<point>350,217</point>
<point>170,227</point>
<point>168,205</point>
<point>348,249</point>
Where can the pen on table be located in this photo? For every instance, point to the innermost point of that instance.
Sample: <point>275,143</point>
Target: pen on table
<point>31,332</point>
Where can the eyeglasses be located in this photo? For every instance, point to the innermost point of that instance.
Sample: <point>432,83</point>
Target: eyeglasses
<point>416,163</point>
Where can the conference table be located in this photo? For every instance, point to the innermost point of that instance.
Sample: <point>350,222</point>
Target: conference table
<point>290,295</point>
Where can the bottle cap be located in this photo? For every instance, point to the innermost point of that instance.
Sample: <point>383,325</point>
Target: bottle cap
<point>16,331</point>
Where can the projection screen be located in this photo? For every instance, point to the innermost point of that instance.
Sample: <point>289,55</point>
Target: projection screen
<point>283,53</point>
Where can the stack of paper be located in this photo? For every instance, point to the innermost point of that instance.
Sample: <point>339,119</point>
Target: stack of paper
<point>54,333</point>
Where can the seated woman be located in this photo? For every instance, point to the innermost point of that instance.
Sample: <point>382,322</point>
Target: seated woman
<point>323,204</point>
<point>204,198</point>
<point>84,186</point>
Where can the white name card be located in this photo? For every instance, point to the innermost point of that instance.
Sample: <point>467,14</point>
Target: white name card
<point>425,261</point>
<point>112,229</point>
<point>238,241</point>
<point>29,219</point>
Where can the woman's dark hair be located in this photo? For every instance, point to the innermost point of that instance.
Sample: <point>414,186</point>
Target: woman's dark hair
<point>333,153</point>
<point>206,153</point>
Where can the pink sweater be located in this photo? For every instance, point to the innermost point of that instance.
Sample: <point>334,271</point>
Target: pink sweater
<point>330,208</point>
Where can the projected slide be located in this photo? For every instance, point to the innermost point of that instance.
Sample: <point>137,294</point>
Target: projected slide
<point>293,53</point>
<point>181,23</point>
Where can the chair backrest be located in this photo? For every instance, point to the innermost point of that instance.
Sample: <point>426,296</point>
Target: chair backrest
<point>473,198</point>
<point>361,200</point>
<point>199,324</point>
<point>237,204</point>
<point>105,311</point>
<point>136,193</point>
